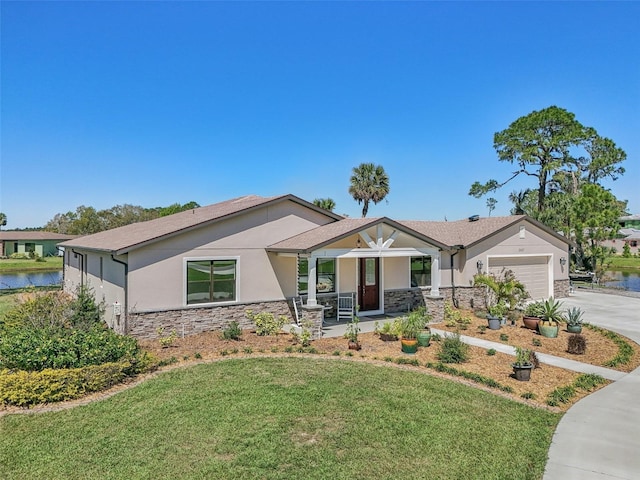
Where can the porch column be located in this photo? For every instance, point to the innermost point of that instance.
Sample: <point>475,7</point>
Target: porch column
<point>435,274</point>
<point>312,281</point>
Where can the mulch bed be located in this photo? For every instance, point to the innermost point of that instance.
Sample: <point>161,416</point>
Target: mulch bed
<point>210,346</point>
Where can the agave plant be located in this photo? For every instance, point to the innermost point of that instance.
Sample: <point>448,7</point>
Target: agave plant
<point>574,316</point>
<point>551,312</point>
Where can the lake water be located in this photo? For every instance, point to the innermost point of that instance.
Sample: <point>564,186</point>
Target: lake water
<point>624,280</point>
<point>30,279</point>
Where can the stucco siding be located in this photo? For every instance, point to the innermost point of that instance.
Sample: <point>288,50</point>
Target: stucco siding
<point>347,276</point>
<point>396,273</point>
<point>157,275</point>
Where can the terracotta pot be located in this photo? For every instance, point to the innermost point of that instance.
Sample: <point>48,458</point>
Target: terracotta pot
<point>531,322</point>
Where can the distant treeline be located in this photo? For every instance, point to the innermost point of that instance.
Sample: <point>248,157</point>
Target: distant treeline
<point>87,220</point>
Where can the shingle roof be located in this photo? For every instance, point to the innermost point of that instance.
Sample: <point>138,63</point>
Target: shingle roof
<point>125,238</point>
<point>461,232</point>
<point>332,232</point>
<point>467,233</point>
<point>16,235</point>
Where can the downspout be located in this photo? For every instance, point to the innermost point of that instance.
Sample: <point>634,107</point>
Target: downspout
<point>125,307</point>
<point>454,299</point>
<point>81,255</point>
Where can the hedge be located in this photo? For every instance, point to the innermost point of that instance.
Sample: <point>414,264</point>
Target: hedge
<point>22,388</point>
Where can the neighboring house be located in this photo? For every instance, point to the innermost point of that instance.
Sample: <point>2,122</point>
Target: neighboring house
<point>197,270</point>
<point>630,221</point>
<point>630,236</point>
<point>41,243</point>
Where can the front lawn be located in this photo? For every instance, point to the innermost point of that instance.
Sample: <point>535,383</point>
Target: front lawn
<point>283,418</point>
<point>27,264</point>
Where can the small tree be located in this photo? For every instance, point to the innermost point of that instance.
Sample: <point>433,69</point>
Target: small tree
<point>626,251</point>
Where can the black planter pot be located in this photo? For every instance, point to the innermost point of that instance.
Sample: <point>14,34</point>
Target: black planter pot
<point>522,372</point>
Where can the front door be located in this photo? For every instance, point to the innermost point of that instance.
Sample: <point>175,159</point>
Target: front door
<point>368,291</point>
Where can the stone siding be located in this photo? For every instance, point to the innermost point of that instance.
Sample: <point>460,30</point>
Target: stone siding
<point>405,300</point>
<point>190,321</point>
<point>561,288</point>
<point>467,297</point>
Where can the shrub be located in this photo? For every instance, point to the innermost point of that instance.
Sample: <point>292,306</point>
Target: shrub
<point>577,344</point>
<point>536,342</point>
<point>266,322</point>
<point>453,350</point>
<point>504,337</point>
<point>491,352</point>
<point>24,388</point>
<point>232,331</point>
<point>166,340</point>
<point>84,311</point>
<point>36,349</point>
<point>40,310</point>
<point>454,317</point>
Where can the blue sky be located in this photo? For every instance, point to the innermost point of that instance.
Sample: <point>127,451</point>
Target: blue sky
<point>152,103</point>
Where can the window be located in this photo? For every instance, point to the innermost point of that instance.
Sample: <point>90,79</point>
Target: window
<point>30,247</point>
<point>325,275</point>
<point>420,271</point>
<point>211,281</point>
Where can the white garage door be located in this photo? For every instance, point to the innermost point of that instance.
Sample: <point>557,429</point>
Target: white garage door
<point>533,272</point>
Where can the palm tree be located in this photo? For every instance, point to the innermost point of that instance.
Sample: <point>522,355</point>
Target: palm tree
<point>326,203</point>
<point>3,220</point>
<point>519,199</point>
<point>369,183</point>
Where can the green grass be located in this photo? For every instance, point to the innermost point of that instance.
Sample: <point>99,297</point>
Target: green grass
<point>23,265</point>
<point>621,263</point>
<point>281,419</point>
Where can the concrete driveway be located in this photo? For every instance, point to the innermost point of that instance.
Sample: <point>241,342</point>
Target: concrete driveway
<point>599,437</point>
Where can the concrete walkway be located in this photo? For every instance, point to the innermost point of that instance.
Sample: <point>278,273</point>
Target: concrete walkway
<point>598,438</point>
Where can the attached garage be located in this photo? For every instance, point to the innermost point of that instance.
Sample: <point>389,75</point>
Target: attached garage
<point>532,271</point>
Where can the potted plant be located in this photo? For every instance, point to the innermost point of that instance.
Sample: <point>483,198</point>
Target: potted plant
<point>523,365</point>
<point>506,290</point>
<point>389,331</point>
<point>550,318</point>
<point>574,320</point>
<point>352,334</point>
<point>495,316</point>
<point>410,325</point>
<point>532,313</point>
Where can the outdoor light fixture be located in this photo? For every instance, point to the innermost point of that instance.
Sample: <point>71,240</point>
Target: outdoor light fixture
<point>358,243</point>
<point>479,264</point>
<point>563,261</point>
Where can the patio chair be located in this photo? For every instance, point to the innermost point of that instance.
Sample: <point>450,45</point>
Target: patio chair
<point>345,306</point>
<point>297,309</point>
